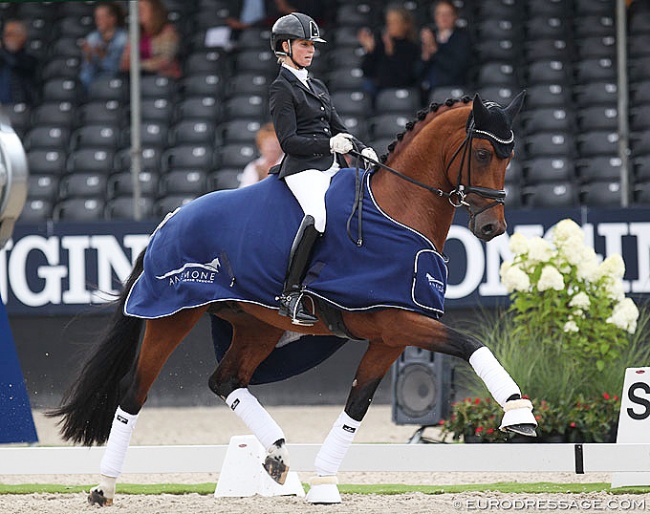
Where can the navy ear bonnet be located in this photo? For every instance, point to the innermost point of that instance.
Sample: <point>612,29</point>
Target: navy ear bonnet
<point>492,122</point>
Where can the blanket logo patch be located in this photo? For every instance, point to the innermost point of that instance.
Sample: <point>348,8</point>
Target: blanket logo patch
<point>436,284</point>
<point>429,281</point>
<point>193,272</point>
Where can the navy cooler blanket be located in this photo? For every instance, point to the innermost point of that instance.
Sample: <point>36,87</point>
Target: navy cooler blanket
<point>234,245</point>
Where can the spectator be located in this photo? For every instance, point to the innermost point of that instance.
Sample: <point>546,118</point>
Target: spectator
<point>103,48</point>
<point>319,10</point>
<point>270,155</point>
<point>252,13</point>
<point>446,51</point>
<point>159,41</point>
<point>390,58</point>
<point>17,66</point>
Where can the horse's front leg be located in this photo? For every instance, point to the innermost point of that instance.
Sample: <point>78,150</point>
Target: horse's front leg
<point>397,328</point>
<point>518,412</point>
<point>372,368</point>
<point>252,342</point>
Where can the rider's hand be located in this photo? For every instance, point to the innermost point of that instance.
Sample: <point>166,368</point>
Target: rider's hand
<point>341,143</point>
<point>369,153</point>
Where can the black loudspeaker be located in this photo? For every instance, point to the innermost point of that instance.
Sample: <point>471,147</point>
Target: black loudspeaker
<point>422,387</point>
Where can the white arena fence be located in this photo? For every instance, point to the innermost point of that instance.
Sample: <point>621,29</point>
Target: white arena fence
<point>508,457</point>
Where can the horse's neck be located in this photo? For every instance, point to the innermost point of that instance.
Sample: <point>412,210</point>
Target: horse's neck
<point>414,207</point>
<point>424,157</point>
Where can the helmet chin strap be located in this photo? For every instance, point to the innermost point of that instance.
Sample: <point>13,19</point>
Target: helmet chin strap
<point>290,56</point>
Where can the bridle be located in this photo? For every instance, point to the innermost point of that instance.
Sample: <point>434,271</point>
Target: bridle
<point>458,194</point>
<point>456,197</point>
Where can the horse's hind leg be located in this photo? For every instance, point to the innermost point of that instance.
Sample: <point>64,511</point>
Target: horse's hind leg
<point>373,366</point>
<point>252,342</point>
<point>161,338</point>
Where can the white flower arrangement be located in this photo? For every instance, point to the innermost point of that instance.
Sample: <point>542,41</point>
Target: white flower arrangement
<point>563,295</point>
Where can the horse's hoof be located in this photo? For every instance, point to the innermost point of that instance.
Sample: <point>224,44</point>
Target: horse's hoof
<point>518,418</point>
<point>523,429</point>
<point>276,463</point>
<point>323,490</point>
<point>96,497</point>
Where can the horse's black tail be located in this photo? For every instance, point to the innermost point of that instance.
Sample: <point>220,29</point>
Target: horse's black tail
<point>88,406</point>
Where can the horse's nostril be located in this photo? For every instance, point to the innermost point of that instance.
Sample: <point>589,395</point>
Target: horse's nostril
<point>488,229</point>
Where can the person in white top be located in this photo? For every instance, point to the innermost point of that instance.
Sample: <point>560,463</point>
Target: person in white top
<point>270,154</point>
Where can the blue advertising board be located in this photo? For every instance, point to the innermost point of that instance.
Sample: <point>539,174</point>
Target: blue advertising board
<point>65,268</point>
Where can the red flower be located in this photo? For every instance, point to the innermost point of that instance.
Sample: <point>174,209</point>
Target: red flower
<point>479,430</point>
<point>606,396</point>
<point>572,424</point>
<point>441,422</point>
<point>616,397</point>
<point>477,401</point>
<point>490,430</point>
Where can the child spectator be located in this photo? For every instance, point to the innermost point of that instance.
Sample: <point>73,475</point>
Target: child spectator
<point>270,155</point>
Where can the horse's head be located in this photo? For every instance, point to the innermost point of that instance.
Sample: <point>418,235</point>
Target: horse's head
<point>484,156</point>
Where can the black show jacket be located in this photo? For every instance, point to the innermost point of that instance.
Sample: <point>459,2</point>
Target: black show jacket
<point>304,122</point>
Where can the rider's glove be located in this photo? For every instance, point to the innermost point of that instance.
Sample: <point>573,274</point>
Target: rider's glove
<point>370,154</point>
<point>341,143</point>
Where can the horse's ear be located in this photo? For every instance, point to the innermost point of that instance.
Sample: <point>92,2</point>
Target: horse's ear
<point>481,113</point>
<point>515,106</point>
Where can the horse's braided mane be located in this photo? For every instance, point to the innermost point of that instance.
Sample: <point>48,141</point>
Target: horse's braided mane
<point>420,116</point>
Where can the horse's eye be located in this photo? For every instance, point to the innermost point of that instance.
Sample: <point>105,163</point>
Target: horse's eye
<point>482,155</point>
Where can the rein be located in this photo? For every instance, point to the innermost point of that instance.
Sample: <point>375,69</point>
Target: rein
<point>456,196</point>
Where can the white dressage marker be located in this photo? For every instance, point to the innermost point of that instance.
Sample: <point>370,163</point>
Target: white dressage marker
<point>242,474</point>
<point>634,420</point>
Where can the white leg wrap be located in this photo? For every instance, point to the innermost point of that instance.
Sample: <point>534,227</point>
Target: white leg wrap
<point>257,419</point>
<point>336,445</point>
<point>118,443</point>
<point>495,377</point>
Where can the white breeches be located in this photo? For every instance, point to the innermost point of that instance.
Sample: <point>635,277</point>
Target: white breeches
<point>309,188</point>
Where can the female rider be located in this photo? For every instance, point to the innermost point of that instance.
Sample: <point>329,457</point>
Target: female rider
<point>313,138</point>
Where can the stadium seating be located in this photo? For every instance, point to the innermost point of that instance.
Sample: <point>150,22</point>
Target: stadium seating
<point>203,125</point>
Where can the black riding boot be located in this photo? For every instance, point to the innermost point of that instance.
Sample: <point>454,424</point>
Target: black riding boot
<point>291,303</point>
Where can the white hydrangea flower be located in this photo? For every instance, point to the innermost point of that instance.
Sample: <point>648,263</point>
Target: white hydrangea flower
<point>613,267</point>
<point>514,278</point>
<point>587,263</point>
<point>580,301</point>
<point>518,243</point>
<point>539,250</point>
<point>625,315</point>
<point>570,326</point>
<point>550,278</point>
<point>614,289</point>
<point>578,313</point>
<point>567,230</point>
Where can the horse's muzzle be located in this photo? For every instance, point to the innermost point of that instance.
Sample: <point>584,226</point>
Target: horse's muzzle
<point>486,225</point>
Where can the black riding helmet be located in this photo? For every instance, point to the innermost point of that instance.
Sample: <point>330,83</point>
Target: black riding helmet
<point>293,26</point>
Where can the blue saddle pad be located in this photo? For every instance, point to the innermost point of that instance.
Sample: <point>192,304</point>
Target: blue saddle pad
<point>234,245</point>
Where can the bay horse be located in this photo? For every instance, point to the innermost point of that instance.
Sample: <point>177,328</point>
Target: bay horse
<point>454,155</point>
